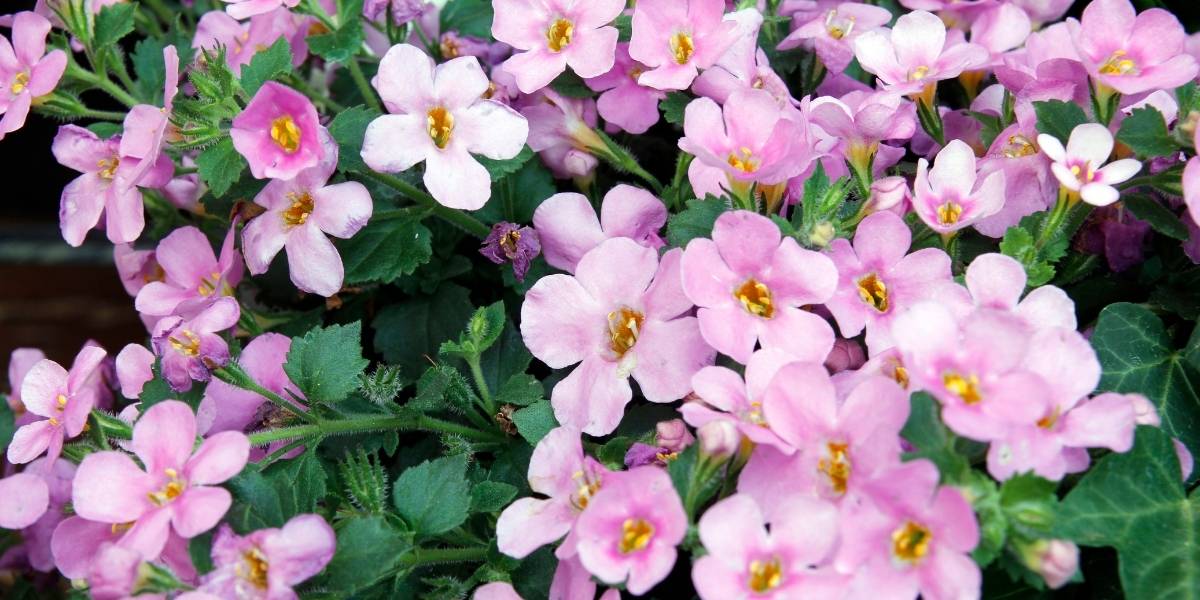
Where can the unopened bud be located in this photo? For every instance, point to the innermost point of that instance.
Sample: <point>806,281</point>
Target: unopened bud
<point>1055,560</point>
<point>822,233</point>
<point>887,193</point>
<point>845,355</point>
<point>719,439</point>
<point>673,435</point>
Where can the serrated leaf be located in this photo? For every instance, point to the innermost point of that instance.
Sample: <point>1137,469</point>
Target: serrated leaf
<point>409,334</point>
<point>269,498</point>
<point>384,250</point>
<point>506,358</point>
<point>695,221</point>
<point>673,107</point>
<point>1161,218</point>
<point>1058,118</point>
<point>932,440</point>
<point>433,497</point>
<point>535,421</point>
<point>114,22</point>
<point>1019,244</point>
<point>342,44</point>
<point>491,496</point>
<point>150,69</point>
<point>368,549</point>
<point>499,169</point>
<point>220,166</point>
<point>1145,131</point>
<point>326,363</point>
<point>348,128</point>
<point>266,65</point>
<point>521,389</point>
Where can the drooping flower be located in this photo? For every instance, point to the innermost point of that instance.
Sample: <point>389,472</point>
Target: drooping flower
<point>136,268</point>
<point>267,563</point>
<point>554,35</point>
<point>278,133</point>
<point>724,396</point>
<point>300,212</point>
<point>620,315</point>
<point>743,66</point>
<point>624,102</point>
<point>27,71</point>
<point>631,528</point>
<point>226,407</point>
<point>750,285</point>
<point>1129,52</point>
<point>913,56</point>
<point>509,243</point>
<point>562,132</point>
<point>190,348</point>
<point>145,127</point>
<point>746,562</point>
<point>1078,166</point>
<point>178,489</point>
<point>134,366</point>
<point>439,117</point>
<point>951,196</point>
<point>568,228</point>
<point>242,9</point>
<point>63,398</point>
<point>193,277</point>
<point>676,39</point>
<point>860,121</point>
<point>832,33</point>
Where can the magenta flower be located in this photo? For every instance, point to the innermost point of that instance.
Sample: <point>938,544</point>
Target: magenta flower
<point>559,470</point>
<point>508,242</point>
<point>226,407</point>
<point>624,102</point>
<point>135,367</point>
<point>193,277</point>
<point>913,56</point>
<point>631,529</point>
<point>676,39</point>
<point>1132,53</point>
<point>555,34</point>
<point>267,563</point>
<point>746,562</point>
<point>277,133</point>
<point>24,498</point>
<point>242,9</point>
<point>951,196</point>
<point>63,398</point>
<point>27,72</point>
<point>914,537</point>
<point>190,348</point>
<point>750,284</point>
<point>176,491</point>
<point>878,279</point>
<point>1077,167</point>
<point>832,34</point>
<point>109,185</point>
<point>568,228</point>
<point>619,315</point>
<point>439,117</point>
<point>300,212</point>
<point>724,396</point>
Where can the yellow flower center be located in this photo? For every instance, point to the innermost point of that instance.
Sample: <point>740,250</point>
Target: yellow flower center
<point>1118,64</point>
<point>588,486</point>
<point>253,568</point>
<point>838,28</point>
<point>1050,420</point>
<point>743,160</point>
<point>635,535</point>
<point>441,126</point>
<point>836,466</point>
<point>208,285</point>
<point>949,213</point>
<point>624,327</point>
<point>20,82</point>
<point>910,542</point>
<point>508,243</point>
<point>755,414</point>
<point>299,211</point>
<point>559,35</point>
<point>874,292</point>
<point>286,133</point>
<point>635,73</point>
<point>1018,146</point>
<point>755,298</point>
<point>918,73</point>
<point>1084,173</point>
<point>108,167</point>
<point>682,47</point>
<point>765,575</point>
<point>60,403</point>
<point>119,528</point>
<point>189,346</point>
<point>966,388</point>
<point>173,488</point>
<point>450,47</point>
<point>900,375</point>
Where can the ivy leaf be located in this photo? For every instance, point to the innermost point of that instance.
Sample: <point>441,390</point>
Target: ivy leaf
<point>433,497</point>
<point>695,221</point>
<point>368,549</point>
<point>385,250</point>
<point>266,65</point>
<point>1135,502</point>
<point>349,128</point>
<point>491,496</point>
<point>535,421</point>
<point>673,107</point>
<point>220,166</point>
<point>113,23</point>
<point>499,169</point>
<point>1160,218</point>
<point>1058,118</point>
<point>1145,131</point>
<point>925,431</point>
<point>327,362</point>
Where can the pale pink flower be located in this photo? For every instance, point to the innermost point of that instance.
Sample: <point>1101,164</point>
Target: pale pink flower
<point>1029,185</point>
<point>750,284</point>
<point>193,277</point>
<point>242,9</point>
<point>145,127</point>
<point>56,477</point>
<point>300,212</point>
<point>27,72</point>
<point>19,363</point>
<point>114,572</point>
<point>951,195</point>
<point>136,268</point>
<point>914,54</point>
<point>190,348</point>
<point>724,396</point>
<point>243,40</point>
<point>631,528</point>
<point>555,34</point>
<point>623,102</point>
<point>861,120</point>
<point>995,281</point>
<point>266,564</point>
<point>439,117</point>
<point>277,133</point>
<point>134,366</point>
<point>562,132</point>
<point>619,316</point>
<point>1044,11</point>
<point>76,542</point>
<point>832,33</point>
<point>64,398</point>
<point>743,66</point>
<point>1078,166</point>
<point>568,228</point>
<point>1000,30</point>
<point>676,39</point>
<point>177,491</point>
<point>1129,52</point>
<point>24,498</point>
<point>226,407</point>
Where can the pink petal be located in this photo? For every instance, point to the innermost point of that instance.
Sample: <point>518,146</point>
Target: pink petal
<point>718,387</point>
<point>405,80</point>
<point>1106,421</point>
<point>110,488</point>
<point>798,332</point>
<point>996,281</point>
<point>668,354</point>
<point>882,239</point>
<point>124,216</point>
<point>163,436</point>
<point>535,69</point>
<point>313,262</point>
<point>664,298</point>
<point>301,549</point>
<point>199,509</point>
<point>530,523</point>
<point>134,368</point>
<point>41,387</point>
<point>186,255</point>
<point>561,323</point>
<point>24,498</point>
<point>592,397</point>
<point>262,238</point>
<point>747,241</point>
<point>81,205</point>
<point>707,280</point>
<point>380,150</point>
<point>876,55</point>
<point>953,169</point>
<point>733,530</point>
<point>341,210</point>
<point>493,130</point>
<point>29,32</point>
<point>632,212</point>
<point>794,421</point>
<point>219,458</point>
<point>567,228</point>
<point>457,180</point>
<point>31,440</point>
<point>75,542</point>
<point>617,272</point>
<point>797,276</point>
<point>1091,142</point>
<point>459,82</point>
<point>149,534</point>
<point>918,38</point>
<point>809,527</point>
<point>730,330</point>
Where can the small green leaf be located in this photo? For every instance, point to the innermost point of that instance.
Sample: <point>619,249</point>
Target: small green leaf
<point>220,166</point>
<point>673,107</point>
<point>624,25</point>
<point>468,17</point>
<point>1058,118</point>
<point>269,498</point>
<point>535,421</point>
<point>1030,504</point>
<point>150,69</point>
<point>1161,218</point>
<point>343,43</point>
<point>1145,131</point>
<point>7,422</point>
<point>368,549</point>
<point>349,128</point>
<point>991,126</point>
<point>200,551</point>
<point>925,431</point>
<point>696,221</point>
<point>384,250</point>
<point>433,497</point>
<point>1019,244</point>
<point>570,85</point>
<point>521,389</point>
<point>114,22</point>
<point>491,496</point>
<point>327,362</point>
<point>267,65</point>
<point>104,129</point>
<point>499,169</point>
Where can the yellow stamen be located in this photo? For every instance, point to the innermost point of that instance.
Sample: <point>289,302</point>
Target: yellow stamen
<point>1018,146</point>
<point>108,167</point>
<point>441,126</point>
<point>949,213</point>
<point>743,160</point>
<point>966,388</point>
<point>755,298</point>
<point>20,82</point>
<point>624,327</point>
<point>559,35</point>
<point>836,28</point>
<point>765,575</point>
<point>1050,420</point>
<point>588,486</point>
<point>299,211</point>
<point>755,414</point>
<point>172,490</point>
<point>1117,64</point>
<point>253,568</point>
<point>874,292</point>
<point>54,422</point>
<point>119,528</point>
<point>190,347</point>
<point>836,466</point>
<point>635,535</point>
<point>682,47</point>
<point>508,243</point>
<point>900,375</point>
<point>910,542</point>
<point>286,133</point>
<point>60,403</point>
<point>918,73</point>
<point>450,47</point>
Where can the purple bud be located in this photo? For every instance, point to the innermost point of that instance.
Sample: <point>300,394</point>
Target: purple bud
<point>640,454</point>
<point>509,243</point>
<point>673,435</point>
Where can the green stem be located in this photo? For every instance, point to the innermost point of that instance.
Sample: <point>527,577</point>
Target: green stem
<point>1055,219</point>
<point>453,216</point>
<point>314,8</point>
<point>234,375</point>
<point>369,423</point>
<point>364,87</point>
<point>481,384</point>
<point>94,80</point>
<point>103,115</point>
<point>624,160</point>
<point>421,557</point>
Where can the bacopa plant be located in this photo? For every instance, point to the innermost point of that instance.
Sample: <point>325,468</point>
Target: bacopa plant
<point>577,298</point>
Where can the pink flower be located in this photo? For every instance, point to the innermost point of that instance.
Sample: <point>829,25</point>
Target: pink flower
<point>723,396</point>
<point>63,398</point>
<point>19,364</point>
<point>27,72</point>
<point>995,281</point>
<point>744,561</point>
<point>624,102</point>
<point>568,228</point>
<point>914,56</point>
<point>114,572</point>
<point>108,185</point>
<point>226,407</point>
<point>1029,185</point>
<point>56,478</point>
<point>267,563</point>
<point>136,268</point>
<point>176,491</point>
<point>878,280</point>
<point>619,315</point>
<point>189,348</point>
<point>676,39</point>
<point>833,33</point>
<point>1132,53</point>
<point>860,121</point>
<point>76,542</point>
<point>631,528</point>
<point>299,213</point>
<point>497,590</point>
<point>243,40</point>
<point>555,34</point>
<point>24,498</point>
<point>743,66</point>
<point>1077,166</point>
<point>439,117</point>
<point>242,9</point>
<point>559,470</point>
<point>134,368</point>
<point>914,537</point>
<point>145,126</point>
<point>562,131</point>
<point>1000,30</point>
<point>750,284</point>
<point>951,196</point>
<point>277,133</point>
<point>1055,560</point>
<point>193,277</point>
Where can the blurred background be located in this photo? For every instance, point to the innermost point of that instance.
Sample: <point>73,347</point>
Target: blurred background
<point>55,297</point>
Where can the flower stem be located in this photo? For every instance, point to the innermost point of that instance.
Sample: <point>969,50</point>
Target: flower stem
<point>369,423</point>
<point>94,80</point>
<point>481,384</point>
<point>364,87</point>
<point>235,376</point>
<point>421,557</point>
<point>621,158</point>
<point>453,216</point>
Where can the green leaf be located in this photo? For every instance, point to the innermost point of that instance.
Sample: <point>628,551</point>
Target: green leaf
<point>348,128</point>
<point>570,85</point>
<point>508,357</point>
<point>1145,131</point>
<point>443,387</point>
<point>113,23</point>
<point>267,65</point>
<point>521,389</point>
<point>695,221</point>
<point>368,549</point>
<point>150,69</point>
<point>384,250</point>
<point>991,126</point>
<point>7,422</point>
<point>491,496</point>
<point>673,107</point>
<point>1161,218</point>
<point>408,334</point>
<point>1030,504</point>
<point>1019,244</point>
<point>499,169</point>
<point>200,551</point>
<point>433,497</point>
<point>285,489</point>
<point>535,421</point>
<point>326,362</point>
<point>1135,502</point>
<point>468,17</point>
<point>104,129</point>
<point>624,25</point>
<point>925,431</point>
<point>1058,118</point>
<point>343,43</point>
<point>519,194</point>
<point>486,325</point>
<point>1136,355</point>
<point>220,166</point>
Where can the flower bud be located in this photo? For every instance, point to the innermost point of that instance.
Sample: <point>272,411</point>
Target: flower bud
<point>1055,560</point>
<point>673,435</point>
<point>822,233</point>
<point>719,439</point>
<point>114,573</point>
<point>887,193</point>
<point>845,355</point>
